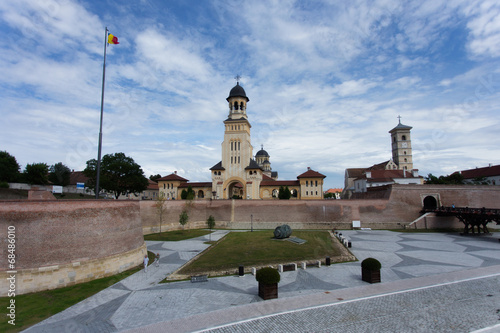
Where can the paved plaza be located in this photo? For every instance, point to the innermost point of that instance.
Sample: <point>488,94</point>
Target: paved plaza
<point>430,282</point>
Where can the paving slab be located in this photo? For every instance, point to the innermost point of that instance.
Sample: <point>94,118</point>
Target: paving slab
<point>453,268</point>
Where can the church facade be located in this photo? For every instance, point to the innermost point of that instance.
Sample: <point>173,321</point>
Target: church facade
<point>240,174</point>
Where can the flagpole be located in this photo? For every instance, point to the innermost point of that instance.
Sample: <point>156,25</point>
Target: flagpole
<point>102,111</point>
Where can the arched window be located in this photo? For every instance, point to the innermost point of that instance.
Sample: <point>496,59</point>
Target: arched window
<point>239,145</point>
<point>238,159</point>
<point>307,183</point>
<point>316,183</point>
<point>241,106</point>
<point>236,105</point>
<point>307,193</point>
<point>231,145</point>
<point>403,138</point>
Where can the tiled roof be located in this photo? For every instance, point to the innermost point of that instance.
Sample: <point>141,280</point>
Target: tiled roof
<point>253,165</point>
<point>280,183</point>
<point>311,174</point>
<point>218,166</point>
<point>334,190</point>
<point>488,171</point>
<point>400,127</point>
<point>387,175</point>
<point>152,185</point>
<point>173,176</point>
<point>355,172</point>
<point>380,166</point>
<point>77,177</point>
<point>196,184</point>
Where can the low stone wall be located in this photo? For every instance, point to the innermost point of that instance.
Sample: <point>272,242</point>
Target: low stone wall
<point>63,242</point>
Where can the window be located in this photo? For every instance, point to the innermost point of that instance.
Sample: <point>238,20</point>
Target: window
<point>403,138</point>
<point>238,159</point>
<point>231,160</point>
<point>231,145</point>
<point>316,184</point>
<point>307,193</point>
<point>307,183</point>
<point>241,106</point>
<point>239,145</point>
<point>163,185</point>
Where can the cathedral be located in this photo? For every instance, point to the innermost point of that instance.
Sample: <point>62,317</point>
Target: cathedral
<point>240,174</point>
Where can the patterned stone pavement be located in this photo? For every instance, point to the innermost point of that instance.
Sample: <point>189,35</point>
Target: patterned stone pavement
<point>430,282</point>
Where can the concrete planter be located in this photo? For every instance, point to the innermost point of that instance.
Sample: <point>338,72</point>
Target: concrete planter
<point>268,291</point>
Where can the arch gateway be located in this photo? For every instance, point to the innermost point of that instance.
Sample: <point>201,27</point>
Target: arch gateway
<point>240,173</point>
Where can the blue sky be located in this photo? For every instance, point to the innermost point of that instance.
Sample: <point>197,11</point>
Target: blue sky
<point>326,82</point>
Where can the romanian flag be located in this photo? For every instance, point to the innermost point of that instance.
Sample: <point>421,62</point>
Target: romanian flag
<point>112,39</point>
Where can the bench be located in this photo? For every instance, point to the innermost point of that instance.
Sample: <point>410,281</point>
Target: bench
<point>199,278</point>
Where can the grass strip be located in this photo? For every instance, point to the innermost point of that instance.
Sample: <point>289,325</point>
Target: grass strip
<point>176,235</point>
<point>34,307</point>
<point>260,248</point>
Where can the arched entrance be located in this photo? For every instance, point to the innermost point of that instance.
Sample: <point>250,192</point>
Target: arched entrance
<point>430,202</point>
<point>201,195</point>
<point>235,190</point>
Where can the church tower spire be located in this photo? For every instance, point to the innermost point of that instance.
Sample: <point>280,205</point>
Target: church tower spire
<point>401,146</point>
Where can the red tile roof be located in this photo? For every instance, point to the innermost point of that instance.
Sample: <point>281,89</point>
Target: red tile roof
<point>173,176</point>
<point>279,183</point>
<point>196,184</point>
<point>311,174</point>
<point>77,177</point>
<point>488,171</point>
<point>152,185</point>
<point>388,175</point>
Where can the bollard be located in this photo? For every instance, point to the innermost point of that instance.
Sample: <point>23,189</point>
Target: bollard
<point>328,262</point>
<point>319,263</point>
<point>304,265</point>
<point>280,268</point>
<point>241,270</point>
<point>349,244</point>
<point>254,271</point>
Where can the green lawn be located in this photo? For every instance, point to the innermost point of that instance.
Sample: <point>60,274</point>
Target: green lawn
<point>35,307</point>
<point>176,235</point>
<point>260,248</point>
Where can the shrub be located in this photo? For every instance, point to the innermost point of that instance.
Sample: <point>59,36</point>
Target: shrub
<point>267,275</point>
<point>371,264</point>
<point>4,185</point>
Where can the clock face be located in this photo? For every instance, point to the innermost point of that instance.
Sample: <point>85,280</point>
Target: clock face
<point>404,145</point>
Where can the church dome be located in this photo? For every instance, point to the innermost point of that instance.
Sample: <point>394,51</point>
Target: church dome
<point>237,91</point>
<point>262,152</point>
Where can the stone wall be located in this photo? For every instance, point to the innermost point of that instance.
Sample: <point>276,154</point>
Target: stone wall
<point>63,242</point>
<point>392,207</point>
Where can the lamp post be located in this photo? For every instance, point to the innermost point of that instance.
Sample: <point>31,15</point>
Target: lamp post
<point>251,222</point>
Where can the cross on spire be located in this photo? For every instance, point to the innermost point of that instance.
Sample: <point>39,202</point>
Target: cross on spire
<point>399,117</point>
<point>237,78</point>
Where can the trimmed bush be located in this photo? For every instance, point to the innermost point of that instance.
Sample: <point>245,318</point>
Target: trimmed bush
<point>371,264</point>
<point>268,275</point>
<point>4,185</point>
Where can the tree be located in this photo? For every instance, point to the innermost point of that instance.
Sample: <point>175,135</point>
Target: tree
<point>119,175</point>
<point>36,173</point>
<point>183,218</point>
<point>59,174</point>
<point>455,178</point>
<point>155,177</point>
<point>9,168</point>
<point>284,193</point>
<point>187,195</point>
<point>211,225</point>
<point>161,207</point>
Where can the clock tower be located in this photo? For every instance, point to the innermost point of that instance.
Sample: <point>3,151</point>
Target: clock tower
<point>401,146</point>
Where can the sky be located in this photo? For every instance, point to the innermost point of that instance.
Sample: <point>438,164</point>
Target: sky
<point>326,80</point>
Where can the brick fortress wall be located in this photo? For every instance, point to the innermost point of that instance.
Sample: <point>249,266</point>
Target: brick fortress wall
<point>63,242</point>
<point>391,208</point>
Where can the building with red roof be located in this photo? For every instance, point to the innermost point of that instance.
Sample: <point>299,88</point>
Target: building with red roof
<point>240,174</point>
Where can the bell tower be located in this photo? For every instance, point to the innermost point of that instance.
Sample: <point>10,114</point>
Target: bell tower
<point>401,146</point>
